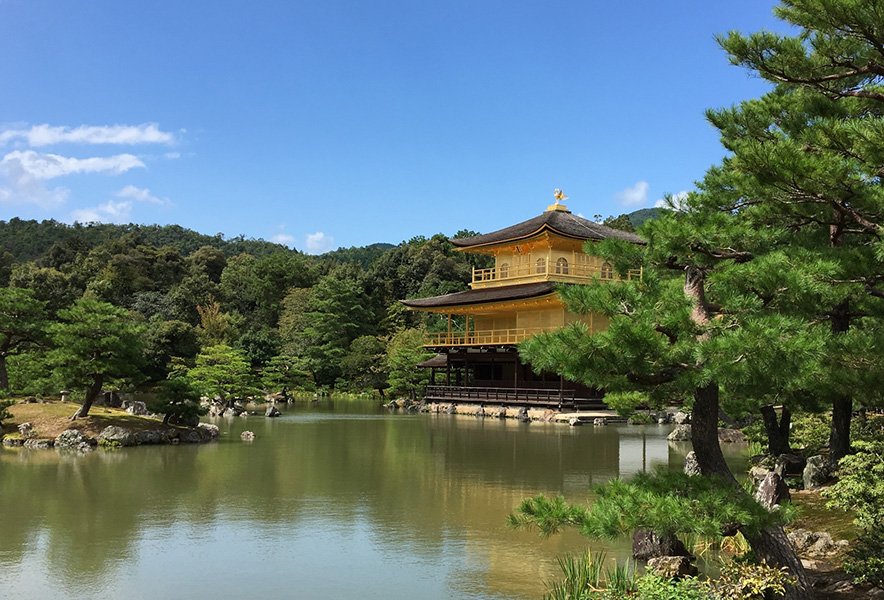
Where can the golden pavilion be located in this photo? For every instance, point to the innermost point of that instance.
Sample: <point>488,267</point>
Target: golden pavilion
<point>512,301</point>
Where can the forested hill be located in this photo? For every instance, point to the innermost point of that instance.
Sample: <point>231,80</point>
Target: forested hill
<point>28,240</point>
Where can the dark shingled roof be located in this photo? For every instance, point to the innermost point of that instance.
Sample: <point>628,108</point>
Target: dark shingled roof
<point>494,294</point>
<point>557,220</point>
<point>440,360</point>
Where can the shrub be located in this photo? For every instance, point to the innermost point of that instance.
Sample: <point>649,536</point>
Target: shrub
<point>866,562</point>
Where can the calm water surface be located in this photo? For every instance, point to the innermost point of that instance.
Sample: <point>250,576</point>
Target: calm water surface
<point>332,500</point>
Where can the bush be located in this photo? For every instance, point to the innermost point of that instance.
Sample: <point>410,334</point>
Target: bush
<point>625,403</point>
<point>866,562</point>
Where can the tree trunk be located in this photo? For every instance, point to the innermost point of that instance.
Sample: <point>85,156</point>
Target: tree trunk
<point>839,435</point>
<point>771,544</point>
<point>774,548</point>
<point>91,395</point>
<point>777,430</point>
<point>842,404</point>
<point>4,375</point>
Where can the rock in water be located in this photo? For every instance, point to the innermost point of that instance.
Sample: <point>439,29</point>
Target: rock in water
<point>691,466</point>
<point>681,418</point>
<point>523,415</point>
<point>681,433</point>
<point>600,421</point>
<point>114,435</point>
<point>247,436</point>
<point>72,438</point>
<point>272,411</point>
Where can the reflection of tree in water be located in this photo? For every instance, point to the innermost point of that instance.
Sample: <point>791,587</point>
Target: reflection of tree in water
<point>414,481</point>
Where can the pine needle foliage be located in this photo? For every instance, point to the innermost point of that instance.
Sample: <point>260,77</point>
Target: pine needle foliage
<point>664,502</point>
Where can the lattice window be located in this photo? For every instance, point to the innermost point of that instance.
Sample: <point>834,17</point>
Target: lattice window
<point>562,266</point>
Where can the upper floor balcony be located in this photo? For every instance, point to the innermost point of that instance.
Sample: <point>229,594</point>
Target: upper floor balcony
<point>548,270</point>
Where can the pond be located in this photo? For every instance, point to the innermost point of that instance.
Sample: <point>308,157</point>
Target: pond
<point>338,499</point>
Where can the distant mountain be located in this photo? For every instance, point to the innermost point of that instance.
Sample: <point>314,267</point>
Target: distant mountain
<point>362,255</point>
<point>638,217</point>
<point>28,239</point>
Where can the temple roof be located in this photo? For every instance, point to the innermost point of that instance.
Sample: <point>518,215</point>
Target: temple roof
<point>554,219</point>
<point>481,295</point>
<point>440,360</point>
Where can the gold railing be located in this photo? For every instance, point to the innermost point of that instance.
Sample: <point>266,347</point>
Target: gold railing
<point>542,272</point>
<point>482,337</point>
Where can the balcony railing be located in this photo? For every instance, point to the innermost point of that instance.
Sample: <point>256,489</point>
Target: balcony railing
<point>529,273</point>
<point>482,337</point>
<point>497,395</point>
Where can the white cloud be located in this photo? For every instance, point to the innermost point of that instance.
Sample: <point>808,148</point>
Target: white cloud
<point>45,135</point>
<point>23,187</point>
<point>637,194</point>
<point>112,212</point>
<point>674,200</point>
<point>318,243</point>
<point>172,155</point>
<point>48,166</point>
<point>130,191</point>
<point>283,238</point>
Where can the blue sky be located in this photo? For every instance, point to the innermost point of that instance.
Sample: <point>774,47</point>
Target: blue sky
<point>343,123</point>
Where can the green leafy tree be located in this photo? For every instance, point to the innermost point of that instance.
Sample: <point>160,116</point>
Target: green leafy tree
<point>695,326</point>
<point>22,323</point>
<point>282,373</point>
<point>365,366</point>
<point>334,315</point>
<point>224,373</point>
<point>404,351</point>
<point>178,400</point>
<point>620,222</point>
<point>95,343</point>
<point>164,340</point>
<point>807,156</point>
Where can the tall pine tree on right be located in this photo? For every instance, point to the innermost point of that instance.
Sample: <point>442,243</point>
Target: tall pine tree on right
<point>766,285</point>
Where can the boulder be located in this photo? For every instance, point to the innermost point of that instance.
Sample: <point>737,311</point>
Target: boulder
<point>575,422</point>
<point>549,415</point>
<point>452,408</point>
<point>816,472</point>
<point>647,544</point>
<point>675,567</point>
<point>136,407</point>
<point>730,436</point>
<point>691,466</point>
<point>272,411</point>
<point>12,442</point>
<point>117,436</point>
<point>758,474</point>
<point>815,544</point>
<point>480,412</point>
<point>681,433</point>
<point>662,418</point>
<point>600,421</point>
<point>26,430</point>
<point>247,436</point>
<point>189,436</point>
<point>38,443</point>
<point>72,438</point>
<point>501,413</point>
<point>773,491</point>
<point>790,465</point>
<point>523,415</point>
<point>152,437</point>
<point>212,430</point>
<point>681,418</point>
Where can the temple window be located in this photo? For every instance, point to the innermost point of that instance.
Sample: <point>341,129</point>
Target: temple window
<point>541,265</point>
<point>504,270</point>
<point>562,266</point>
<point>607,271</point>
